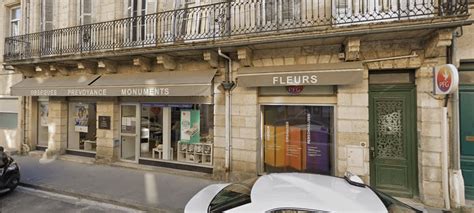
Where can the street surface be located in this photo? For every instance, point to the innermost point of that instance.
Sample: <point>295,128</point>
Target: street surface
<point>30,200</point>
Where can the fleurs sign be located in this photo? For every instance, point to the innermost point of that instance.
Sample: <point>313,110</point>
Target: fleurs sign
<point>446,79</point>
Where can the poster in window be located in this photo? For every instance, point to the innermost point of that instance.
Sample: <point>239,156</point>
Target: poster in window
<point>82,118</point>
<point>190,124</point>
<point>43,111</point>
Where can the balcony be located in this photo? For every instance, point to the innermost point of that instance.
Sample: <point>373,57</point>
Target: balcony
<point>223,22</point>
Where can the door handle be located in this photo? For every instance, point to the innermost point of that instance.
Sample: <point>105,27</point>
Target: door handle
<point>372,152</point>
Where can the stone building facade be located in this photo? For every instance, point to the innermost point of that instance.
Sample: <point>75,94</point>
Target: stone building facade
<point>349,96</point>
<point>10,113</point>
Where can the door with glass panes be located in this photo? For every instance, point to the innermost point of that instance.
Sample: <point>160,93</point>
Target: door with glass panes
<point>129,132</point>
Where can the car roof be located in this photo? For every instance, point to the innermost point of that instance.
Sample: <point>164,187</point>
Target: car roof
<point>311,191</point>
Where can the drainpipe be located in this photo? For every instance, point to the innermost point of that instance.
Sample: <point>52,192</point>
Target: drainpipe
<point>456,180</point>
<point>228,85</point>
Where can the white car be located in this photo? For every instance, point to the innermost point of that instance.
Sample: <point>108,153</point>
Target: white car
<point>294,192</point>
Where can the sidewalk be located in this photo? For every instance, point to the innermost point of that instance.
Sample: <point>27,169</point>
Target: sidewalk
<point>145,190</point>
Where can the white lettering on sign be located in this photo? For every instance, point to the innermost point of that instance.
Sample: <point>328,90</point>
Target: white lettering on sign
<point>87,92</point>
<point>145,92</point>
<point>295,80</point>
<point>308,128</point>
<point>43,92</point>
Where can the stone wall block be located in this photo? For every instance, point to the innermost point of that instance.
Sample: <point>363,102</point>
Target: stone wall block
<point>251,122</point>
<point>248,110</point>
<point>219,141</point>
<point>431,129</point>
<point>248,133</point>
<point>344,138</point>
<point>433,201</point>
<point>344,99</point>
<point>249,99</point>
<point>431,114</point>
<point>341,153</point>
<point>432,188</point>
<point>431,174</point>
<point>341,167</point>
<point>235,110</point>
<point>267,62</point>
<point>324,59</point>
<point>360,99</point>
<point>219,131</point>
<point>426,100</point>
<point>363,87</point>
<point>424,72</point>
<point>238,121</point>
<point>301,60</point>
<point>219,109</point>
<point>219,120</point>
<point>432,159</point>
<point>311,59</point>
<point>219,152</point>
<point>289,61</point>
<point>238,143</point>
<point>352,113</point>
<point>431,144</point>
<point>278,62</point>
<point>257,62</point>
<point>344,125</point>
<point>235,132</point>
<point>361,126</point>
<point>250,144</point>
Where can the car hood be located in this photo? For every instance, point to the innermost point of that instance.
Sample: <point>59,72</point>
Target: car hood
<point>200,201</point>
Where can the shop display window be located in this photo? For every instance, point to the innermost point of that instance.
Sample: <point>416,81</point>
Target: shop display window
<point>192,133</point>
<point>298,139</point>
<point>43,113</point>
<point>183,131</point>
<point>151,130</point>
<point>82,126</point>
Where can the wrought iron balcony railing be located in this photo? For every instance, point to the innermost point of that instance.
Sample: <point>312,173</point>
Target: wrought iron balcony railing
<point>221,21</point>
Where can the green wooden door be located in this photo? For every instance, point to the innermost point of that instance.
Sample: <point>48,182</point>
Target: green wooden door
<point>393,161</point>
<point>466,103</point>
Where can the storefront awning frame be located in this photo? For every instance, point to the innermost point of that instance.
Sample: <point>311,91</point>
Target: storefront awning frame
<point>308,74</point>
<point>153,84</point>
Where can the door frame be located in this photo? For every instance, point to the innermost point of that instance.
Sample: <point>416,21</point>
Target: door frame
<point>412,128</point>
<point>137,132</point>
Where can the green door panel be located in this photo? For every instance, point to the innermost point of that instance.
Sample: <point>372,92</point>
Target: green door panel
<point>466,105</point>
<point>393,163</point>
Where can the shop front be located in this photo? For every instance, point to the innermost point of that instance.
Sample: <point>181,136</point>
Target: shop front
<point>160,118</point>
<point>297,113</point>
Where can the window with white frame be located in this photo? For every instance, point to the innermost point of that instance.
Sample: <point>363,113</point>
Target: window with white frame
<point>85,12</point>
<point>15,16</point>
<point>282,10</point>
<point>141,28</point>
<point>47,15</point>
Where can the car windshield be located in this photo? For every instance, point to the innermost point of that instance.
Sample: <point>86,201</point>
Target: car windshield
<point>233,195</point>
<point>393,205</point>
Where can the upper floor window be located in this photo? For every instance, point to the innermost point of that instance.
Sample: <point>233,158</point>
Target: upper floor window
<point>85,12</point>
<point>282,10</point>
<point>141,7</point>
<point>47,15</point>
<point>15,16</point>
